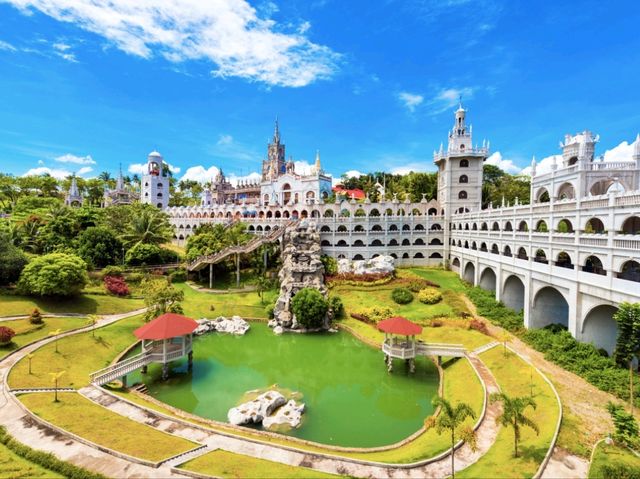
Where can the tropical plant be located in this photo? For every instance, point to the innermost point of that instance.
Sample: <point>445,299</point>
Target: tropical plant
<point>628,342</point>
<point>160,297</point>
<point>310,307</point>
<point>330,265</point>
<point>148,225</point>
<point>55,377</point>
<point>55,274</point>
<point>12,260</point>
<point>99,247</point>
<point>262,285</point>
<point>626,427</point>
<point>337,306</point>
<point>55,335</point>
<point>451,419</point>
<point>513,414</point>
<point>429,296</point>
<point>92,321</point>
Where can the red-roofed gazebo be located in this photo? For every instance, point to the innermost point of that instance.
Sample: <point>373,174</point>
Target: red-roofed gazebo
<point>394,346</point>
<point>167,338</point>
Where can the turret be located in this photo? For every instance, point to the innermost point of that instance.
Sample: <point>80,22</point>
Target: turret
<point>636,151</point>
<point>317,168</point>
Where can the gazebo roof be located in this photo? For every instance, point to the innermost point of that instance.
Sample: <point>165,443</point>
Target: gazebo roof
<point>399,325</point>
<point>166,326</point>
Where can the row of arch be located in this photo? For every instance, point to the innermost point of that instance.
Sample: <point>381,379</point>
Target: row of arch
<point>549,306</point>
<point>395,256</point>
<point>304,213</point>
<point>630,225</point>
<point>629,271</point>
<point>377,242</point>
<point>378,228</point>
<point>566,191</point>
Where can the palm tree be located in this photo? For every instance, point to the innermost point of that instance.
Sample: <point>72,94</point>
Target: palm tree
<point>105,176</point>
<point>513,414</point>
<point>450,418</point>
<point>55,334</point>
<point>149,226</point>
<point>54,379</point>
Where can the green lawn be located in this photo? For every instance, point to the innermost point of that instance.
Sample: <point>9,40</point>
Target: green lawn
<point>28,333</point>
<point>79,355</point>
<point>15,305</point>
<point>80,416</point>
<point>14,466</point>
<point>515,377</point>
<point>469,338</point>
<point>612,455</point>
<point>198,304</point>
<point>446,279</point>
<point>227,464</point>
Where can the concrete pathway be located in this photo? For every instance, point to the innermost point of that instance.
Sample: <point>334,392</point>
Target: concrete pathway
<point>36,435</point>
<point>464,456</point>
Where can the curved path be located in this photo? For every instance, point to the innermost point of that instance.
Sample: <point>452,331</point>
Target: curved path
<point>39,436</point>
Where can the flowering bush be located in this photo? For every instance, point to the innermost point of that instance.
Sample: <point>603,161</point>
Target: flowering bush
<point>116,285</point>
<point>352,279</point>
<point>6,335</point>
<point>416,285</point>
<point>374,314</point>
<point>402,295</point>
<point>429,296</point>
<point>478,326</point>
<point>36,317</point>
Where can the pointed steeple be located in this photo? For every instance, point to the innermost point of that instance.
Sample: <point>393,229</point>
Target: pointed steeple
<point>318,166</point>
<point>73,190</point>
<point>276,132</point>
<point>120,181</point>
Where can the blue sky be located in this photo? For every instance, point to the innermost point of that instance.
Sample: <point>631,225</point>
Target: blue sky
<point>372,84</point>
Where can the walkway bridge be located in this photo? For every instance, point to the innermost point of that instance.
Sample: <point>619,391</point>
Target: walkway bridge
<point>395,348</point>
<point>206,260</point>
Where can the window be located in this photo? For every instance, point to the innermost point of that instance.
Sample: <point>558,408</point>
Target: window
<point>462,195</point>
<point>464,163</point>
<point>464,179</point>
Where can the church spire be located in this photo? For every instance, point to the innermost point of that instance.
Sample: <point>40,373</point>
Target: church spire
<point>318,166</point>
<point>276,132</point>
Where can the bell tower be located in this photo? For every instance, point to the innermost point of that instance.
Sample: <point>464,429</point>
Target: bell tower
<point>274,165</point>
<point>155,184</point>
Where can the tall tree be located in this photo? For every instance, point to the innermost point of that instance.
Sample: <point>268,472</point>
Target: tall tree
<point>513,414</point>
<point>628,343</point>
<point>451,419</point>
<point>148,226</point>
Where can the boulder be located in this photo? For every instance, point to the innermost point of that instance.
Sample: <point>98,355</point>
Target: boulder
<point>255,411</point>
<point>380,264</point>
<point>290,414</point>
<point>233,325</point>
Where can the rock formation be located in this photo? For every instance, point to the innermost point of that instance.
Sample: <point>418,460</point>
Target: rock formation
<point>290,415</point>
<point>301,268</point>
<point>255,411</point>
<point>233,325</point>
<point>379,264</point>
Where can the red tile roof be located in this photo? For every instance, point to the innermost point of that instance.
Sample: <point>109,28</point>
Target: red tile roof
<point>166,326</point>
<point>399,325</point>
<point>357,193</point>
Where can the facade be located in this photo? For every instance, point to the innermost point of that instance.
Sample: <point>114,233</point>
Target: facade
<point>73,197</point>
<point>570,257</point>
<point>154,189</point>
<point>120,195</point>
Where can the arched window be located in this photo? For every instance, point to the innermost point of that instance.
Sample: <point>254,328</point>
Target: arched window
<point>464,179</point>
<point>565,226</point>
<point>495,226</point>
<point>594,226</point>
<point>474,246</point>
<point>506,251</point>
<point>484,227</point>
<point>483,247</point>
<point>462,195</point>
<point>508,226</point>
<point>564,261</point>
<point>630,271</point>
<point>464,163</point>
<point>522,254</point>
<point>631,225</point>
<point>540,257</point>
<point>541,227</point>
<point>495,249</point>
<point>523,226</point>
<point>593,265</point>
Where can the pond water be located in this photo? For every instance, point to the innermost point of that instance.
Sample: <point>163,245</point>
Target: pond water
<point>351,399</point>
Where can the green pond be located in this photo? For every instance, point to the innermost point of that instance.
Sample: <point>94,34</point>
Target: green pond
<point>351,400</point>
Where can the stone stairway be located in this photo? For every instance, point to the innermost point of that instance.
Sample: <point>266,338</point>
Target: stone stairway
<point>485,347</point>
<point>186,456</point>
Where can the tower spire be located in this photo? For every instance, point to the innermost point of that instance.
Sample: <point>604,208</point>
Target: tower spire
<point>318,166</point>
<point>276,132</point>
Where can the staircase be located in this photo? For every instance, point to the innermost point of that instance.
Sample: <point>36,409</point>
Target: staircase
<point>115,371</point>
<point>203,261</point>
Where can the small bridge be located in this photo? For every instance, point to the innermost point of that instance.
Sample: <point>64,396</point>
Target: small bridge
<point>410,349</point>
<point>206,260</point>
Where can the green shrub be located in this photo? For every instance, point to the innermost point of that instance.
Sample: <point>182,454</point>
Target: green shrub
<point>143,254</point>
<point>178,276</point>
<point>330,265</point>
<point>117,271</point>
<point>373,314</point>
<point>310,307</point>
<point>55,274</point>
<point>135,277</point>
<point>495,311</point>
<point>12,261</point>
<point>269,310</point>
<point>401,295</point>
<point>429,296</point>
<point>336,305</point>
<point>619,471</point>
<point>36,317</point>
<point>46,460</point>
<point>625,424</point>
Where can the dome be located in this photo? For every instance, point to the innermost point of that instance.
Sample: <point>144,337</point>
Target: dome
<point>155,154</point>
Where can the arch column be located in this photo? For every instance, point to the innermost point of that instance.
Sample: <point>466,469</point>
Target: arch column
<point>575,310</point>
<point>499,281</point>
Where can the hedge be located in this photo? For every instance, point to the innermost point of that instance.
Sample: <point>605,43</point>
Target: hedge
<point>45,459</point>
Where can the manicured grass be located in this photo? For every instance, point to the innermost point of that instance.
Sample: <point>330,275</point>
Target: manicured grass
<point>28,333</point>
<point>14,466</point>
<point>80,416</point>
<point>78,355</point>
<point>15,305</point>
<point>227,464</point>
<point>469,338</point>
<point>515,377</point>
<point>198,304</point>
<point>612,455</point>
<point>446,279</point>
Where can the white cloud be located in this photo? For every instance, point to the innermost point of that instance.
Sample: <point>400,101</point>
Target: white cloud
<point>76,160</point>
<point>61,47</point>
<point>141,168</point>
<point>303,167</point>
<point>496,159</point>
<point>224,140</point>
<point>84,170</point>
<point>447,98</point>
<point>41,170</point>
<point>410,100</point>
<point>200,173</point>
<point>70,57</point>
<point>304,27</point>
<point>253,177</point>
<point>231,34</point>
<point>7,46</point>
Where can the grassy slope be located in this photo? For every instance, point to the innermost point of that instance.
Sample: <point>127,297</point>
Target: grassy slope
<point>605,454</point>
<point>14,466</point>
<point>515,377</point>
<point>227,464</point>
<point>14,305</point>
<point>86,419</point>
<point>197,304</point>
<point>28,333</point>
<point>79,355</point>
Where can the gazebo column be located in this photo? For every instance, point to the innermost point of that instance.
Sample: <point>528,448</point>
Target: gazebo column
<point>124,381</point>
<point>189,338</point>
<point>165,363</point>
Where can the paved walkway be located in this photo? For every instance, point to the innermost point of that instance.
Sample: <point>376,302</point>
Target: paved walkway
<point>25,429</point>
<point>464,456</point>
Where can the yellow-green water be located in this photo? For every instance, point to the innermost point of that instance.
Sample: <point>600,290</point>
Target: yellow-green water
<point>351,399</point>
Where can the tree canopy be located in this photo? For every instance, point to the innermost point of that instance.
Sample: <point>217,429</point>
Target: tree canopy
<point>55,274</point>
